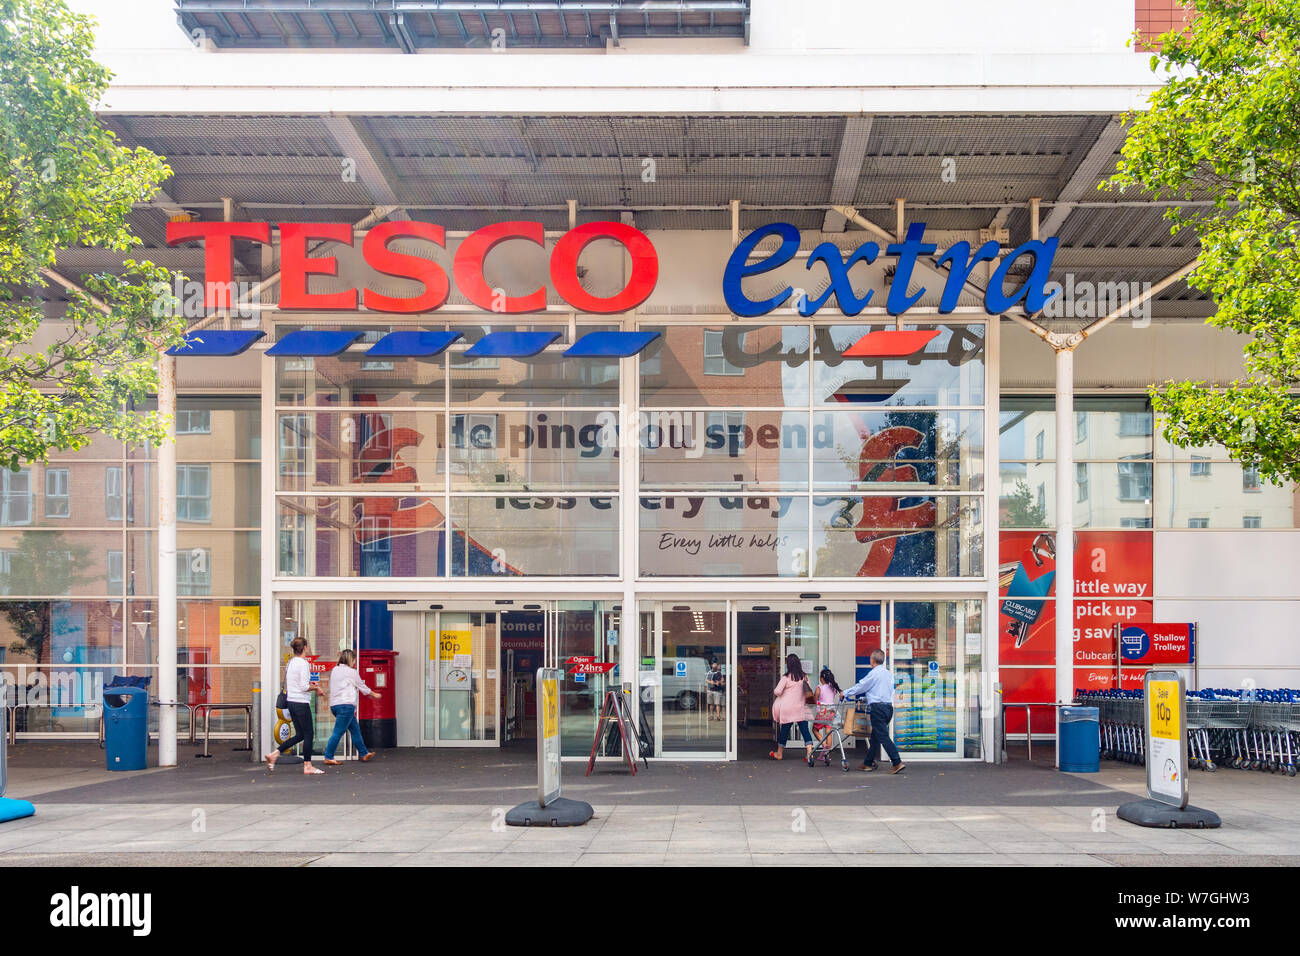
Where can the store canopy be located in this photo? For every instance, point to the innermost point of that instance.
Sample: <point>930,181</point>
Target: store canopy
<point>665,172</point>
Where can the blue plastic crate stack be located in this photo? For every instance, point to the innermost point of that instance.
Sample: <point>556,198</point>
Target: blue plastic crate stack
<point>1253,729</point>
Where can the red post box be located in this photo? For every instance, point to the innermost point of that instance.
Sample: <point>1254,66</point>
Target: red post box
<point>378,718</point>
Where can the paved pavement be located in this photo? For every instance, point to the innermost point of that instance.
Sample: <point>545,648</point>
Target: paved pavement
<point>445,808</point>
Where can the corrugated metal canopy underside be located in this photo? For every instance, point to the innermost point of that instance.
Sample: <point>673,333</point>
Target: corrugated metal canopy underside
<point>957,172</point>
<point>416,25</point>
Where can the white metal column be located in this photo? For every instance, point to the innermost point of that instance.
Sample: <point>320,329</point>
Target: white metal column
<point>167,564</point>
<point>1064,532</point>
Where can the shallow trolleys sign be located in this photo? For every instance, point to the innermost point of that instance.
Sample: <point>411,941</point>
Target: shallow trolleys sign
<point>1166,737</point>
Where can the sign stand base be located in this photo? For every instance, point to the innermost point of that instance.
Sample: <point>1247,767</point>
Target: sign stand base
<point>1153,813</point>
<point>11,809</point>
<point>560,812</point>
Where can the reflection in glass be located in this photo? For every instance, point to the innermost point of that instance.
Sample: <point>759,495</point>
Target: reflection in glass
<point>915,536</point>
<point>948,371</point>
<point>898,449</point>
<point>741,536</point>
<point>737,366</point>
<point>724,449</point>
<point>692,639</point>
<point>541,535</point>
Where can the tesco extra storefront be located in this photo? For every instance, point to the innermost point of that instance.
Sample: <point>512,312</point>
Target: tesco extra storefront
<point>495,450</point>
<point>507,485</point>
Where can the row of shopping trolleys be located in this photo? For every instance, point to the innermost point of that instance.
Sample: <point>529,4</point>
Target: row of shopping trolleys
<point>1244,729</point>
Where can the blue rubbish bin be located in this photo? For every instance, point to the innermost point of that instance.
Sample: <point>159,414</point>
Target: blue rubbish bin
<point>126,732</point>
<point>1080,740</point>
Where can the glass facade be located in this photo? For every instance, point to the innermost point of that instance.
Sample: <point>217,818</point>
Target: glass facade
<point>1126,474</point>
<point>78,570</point>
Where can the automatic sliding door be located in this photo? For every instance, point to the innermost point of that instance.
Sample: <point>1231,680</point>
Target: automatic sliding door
<point>462,696</point>
<point>693,699</point>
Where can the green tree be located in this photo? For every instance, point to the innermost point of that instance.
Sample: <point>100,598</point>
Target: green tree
<point>1021,509</point>
<point>68,182</point>
<point>1226,128</point>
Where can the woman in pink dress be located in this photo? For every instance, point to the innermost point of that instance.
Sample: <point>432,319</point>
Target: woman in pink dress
<point>790,707</point>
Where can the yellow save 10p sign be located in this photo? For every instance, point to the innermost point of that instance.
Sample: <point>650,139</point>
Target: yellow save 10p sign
<point>1166,756</point>
<point>1165,702</point>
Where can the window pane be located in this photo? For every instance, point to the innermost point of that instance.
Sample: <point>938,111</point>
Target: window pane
<point>725,449</point>
<point>1220,498</point>
<point>741,536</point>
<point>324,450</point>
<point>1019,503</point>
<point>949,370</point>
<point>748,366</point>
<point>539,535</point>
<point>233,560</point>
<point>930,536</point>
<point>547,379</point>
<point>67,634</point>
<point>57,563</point>
<point>534,450</point>
<point>904,449</point>
<point>341,380</point>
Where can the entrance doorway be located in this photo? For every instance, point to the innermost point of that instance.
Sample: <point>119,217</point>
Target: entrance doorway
<point>765,637</point>
<point>462,702</point>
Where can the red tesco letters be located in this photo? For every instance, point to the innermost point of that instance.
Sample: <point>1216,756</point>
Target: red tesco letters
<point>297,265</point>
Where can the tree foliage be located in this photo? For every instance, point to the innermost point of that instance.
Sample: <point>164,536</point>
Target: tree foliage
<point>68,182</point>
<point>1225,128</point>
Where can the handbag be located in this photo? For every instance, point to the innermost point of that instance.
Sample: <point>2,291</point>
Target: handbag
<point>857,723</point>
<point>282,701</point>
<point>808,695</point>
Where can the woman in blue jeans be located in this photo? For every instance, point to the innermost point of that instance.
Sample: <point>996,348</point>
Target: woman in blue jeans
<point>344,684</point>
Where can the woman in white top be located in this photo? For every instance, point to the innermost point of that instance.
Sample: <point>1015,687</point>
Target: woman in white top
<point>298,688</point>
<point>344,684</point>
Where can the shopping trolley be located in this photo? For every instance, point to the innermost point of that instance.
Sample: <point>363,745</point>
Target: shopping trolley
<point>1273,725</point>
<point>1120,715</point>
<point>829,724</point>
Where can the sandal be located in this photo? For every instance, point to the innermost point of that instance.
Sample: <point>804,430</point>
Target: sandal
<point>310,770</point>
<point>271,758</point>
<point>774,755</point>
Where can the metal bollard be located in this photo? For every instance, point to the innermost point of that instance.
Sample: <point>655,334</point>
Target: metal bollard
<point>4,745</point>
<point>255,725</point>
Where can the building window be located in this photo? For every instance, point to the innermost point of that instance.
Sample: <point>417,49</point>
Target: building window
<point>1252,521</point>
<point>115,571</point>
<point>294,437</point>
<point>370,337</point>
<point>1042,497</point>
<point>193,421</point>
<point>1040,443</point>
<point>1135,479</point>
<point>1198,522</point>
<point>1080,427</point>
<point>194,571</point>
<point>115,490</point>
<point>1250,483</point>
<point>293,545</point>
<point>8,558</point>
<point>58,495</point>
<point>1134,423</point>
<point>1135,522</point>
<point>714,362</point>
<point>1081,481</point>
<point>16,497</point>
<point>376,535</point>
<point>1200,466</point>
<point>193,493</point>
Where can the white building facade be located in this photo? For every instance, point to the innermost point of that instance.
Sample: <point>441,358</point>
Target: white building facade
<point>749,470</point>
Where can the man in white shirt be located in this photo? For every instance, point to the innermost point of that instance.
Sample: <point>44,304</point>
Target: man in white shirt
<point>878,690</point>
